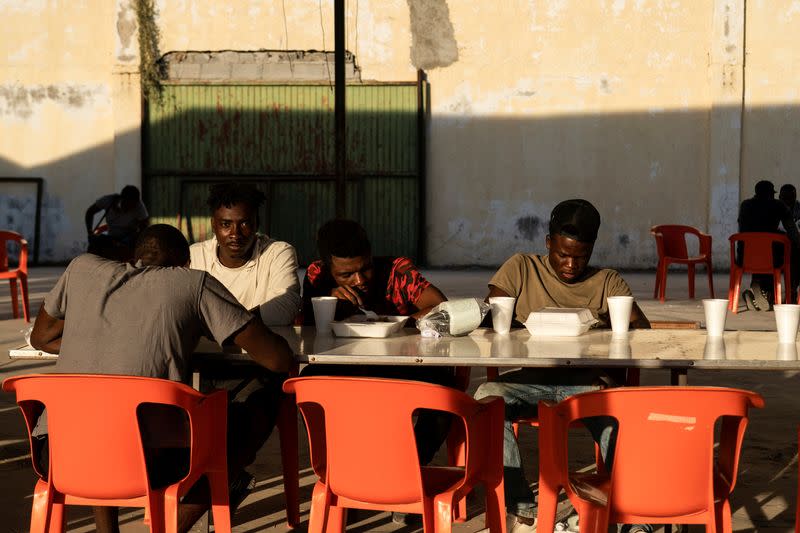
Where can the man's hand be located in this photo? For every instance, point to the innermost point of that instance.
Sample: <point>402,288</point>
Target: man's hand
<point>350,294</point>
<point>265,347</point>
<point>47,331</point>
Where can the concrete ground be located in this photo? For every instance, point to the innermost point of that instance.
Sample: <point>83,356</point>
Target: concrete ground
<point>764,499</point>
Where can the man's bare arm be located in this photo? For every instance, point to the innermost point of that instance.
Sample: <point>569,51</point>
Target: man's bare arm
<point>47,331</point>
<point>496,291</point>
<point>265,347</point>
<point>430,297</point>
<point>638,320</point>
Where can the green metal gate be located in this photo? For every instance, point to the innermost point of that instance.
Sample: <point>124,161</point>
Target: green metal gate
<point>281,137</point>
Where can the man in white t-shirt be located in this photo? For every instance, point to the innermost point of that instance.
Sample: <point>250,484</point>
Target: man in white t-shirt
<point>259,271</point>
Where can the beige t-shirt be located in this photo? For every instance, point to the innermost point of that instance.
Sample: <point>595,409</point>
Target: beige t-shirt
<point>267,281</point>
<point>533,282</point>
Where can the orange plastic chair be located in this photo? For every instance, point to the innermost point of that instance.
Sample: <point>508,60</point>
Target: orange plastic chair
<point>18,274</point>
<point>671,246</point>
<point>664,470</point>
<point>757,259</point>
<point>96,456</point>
<point>363,466</point>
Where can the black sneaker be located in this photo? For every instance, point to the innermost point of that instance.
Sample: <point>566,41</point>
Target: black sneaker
<point>239,489</point>
<point>406,518</point>
<point>763,300</point>
<point>750,300</point>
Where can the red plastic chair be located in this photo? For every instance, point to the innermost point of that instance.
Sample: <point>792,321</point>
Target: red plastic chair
<point>664,469</point>
<point>96,456</point>
<point>363,449</point>
<point>757,259</point>
<point>671,246</point>
<point>20,273</point>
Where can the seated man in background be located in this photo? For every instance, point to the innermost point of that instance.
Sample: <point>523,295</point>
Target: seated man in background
<point>788,195</point>
<point>108,317</point>
<point>259,271</point>
<point>125,215</point>
<point>347,270</point>
<point>764,213</point>
<point>562,278</point>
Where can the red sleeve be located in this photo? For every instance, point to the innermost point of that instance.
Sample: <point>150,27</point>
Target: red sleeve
<point>406,284</point>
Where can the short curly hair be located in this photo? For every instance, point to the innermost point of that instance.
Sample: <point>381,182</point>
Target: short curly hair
<point>231,193</point>
<point>342,238</point>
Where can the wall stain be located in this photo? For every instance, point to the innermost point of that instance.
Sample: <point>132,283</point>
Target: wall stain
<point>529,227</point>
<point>433,41</point>
<point>19,100</point>
<point>624,240</point>
<point>126,27</point>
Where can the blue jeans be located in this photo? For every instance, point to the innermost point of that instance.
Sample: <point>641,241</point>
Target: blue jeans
<point>522,390</point>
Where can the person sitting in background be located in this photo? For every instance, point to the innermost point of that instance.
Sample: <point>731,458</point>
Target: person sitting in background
<point>561,278</point>
<point>108,317</point>
<point>788,195</point>
<point>763,213</point>
<point>348,271</point>
<point>125,216</point>
<point>261,272</point>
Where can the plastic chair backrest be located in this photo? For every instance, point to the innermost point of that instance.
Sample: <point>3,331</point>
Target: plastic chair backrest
<point>6,236</point>
<point>673,239</point>
<point>757,255</point>
<point>95,445</point>
<point>664,456</point>
<point>361,433</point>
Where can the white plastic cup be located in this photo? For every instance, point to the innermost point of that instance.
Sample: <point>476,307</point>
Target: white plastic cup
<point>619,349</point>
<point>714,347</point>
<point>716,311</point>
<point>619,309</point>
<point>502,313</point>
<point>787,318</point>
<point>786,352</point>
<point>324,311</point>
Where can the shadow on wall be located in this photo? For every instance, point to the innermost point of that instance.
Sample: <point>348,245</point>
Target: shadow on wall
<point>490,187</point>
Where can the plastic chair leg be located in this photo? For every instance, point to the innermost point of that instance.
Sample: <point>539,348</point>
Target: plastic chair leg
<point>42,506</point>
<point>287,432</point>
<point>733,297</point>
<point>495,508</point>
<point>710,273</point>
<point>777,288</point>
<point>456,456</point>
<point>691,270</point>
<point>23,287</point>
<point>220,505</point>
<point>658,280</point>
<point>319,509</point>
<point>57,523</point>
<point>14,298</point>
<point>443,512</point>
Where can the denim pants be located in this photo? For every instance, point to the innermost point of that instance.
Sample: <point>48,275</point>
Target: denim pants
<point>522,390</point>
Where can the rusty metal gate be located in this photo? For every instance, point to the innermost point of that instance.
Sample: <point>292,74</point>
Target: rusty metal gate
<point>281,137</point>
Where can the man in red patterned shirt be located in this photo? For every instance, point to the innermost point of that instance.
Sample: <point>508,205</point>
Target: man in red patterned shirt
<point>347,270</point>
<point>387,286</point>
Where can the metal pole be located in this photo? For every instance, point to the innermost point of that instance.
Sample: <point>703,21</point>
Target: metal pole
<point>339,102</point>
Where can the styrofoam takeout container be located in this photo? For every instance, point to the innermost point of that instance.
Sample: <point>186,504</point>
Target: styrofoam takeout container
<point>560,322</point>
<point>361,326</point>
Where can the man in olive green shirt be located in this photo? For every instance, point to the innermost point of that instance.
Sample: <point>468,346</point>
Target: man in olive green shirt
<point>562,278</point>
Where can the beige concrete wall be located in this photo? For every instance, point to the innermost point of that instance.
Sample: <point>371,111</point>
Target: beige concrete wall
<point>635,105</point>
<point>62,112</point>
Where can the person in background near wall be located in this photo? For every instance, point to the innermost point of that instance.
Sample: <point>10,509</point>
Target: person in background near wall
<point>125,217</point>
<point>764,213</point>
<point>260,271</point>
<point>788,195</point>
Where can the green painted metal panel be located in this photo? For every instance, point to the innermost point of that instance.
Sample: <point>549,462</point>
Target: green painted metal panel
<point>281,137</point>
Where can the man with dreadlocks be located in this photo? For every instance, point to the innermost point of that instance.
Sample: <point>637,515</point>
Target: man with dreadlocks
<point>259,271</point>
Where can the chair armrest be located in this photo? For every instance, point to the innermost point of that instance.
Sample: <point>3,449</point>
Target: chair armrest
<point>23,256</point>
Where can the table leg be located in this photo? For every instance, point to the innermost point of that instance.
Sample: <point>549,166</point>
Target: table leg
<point>679,377</point>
